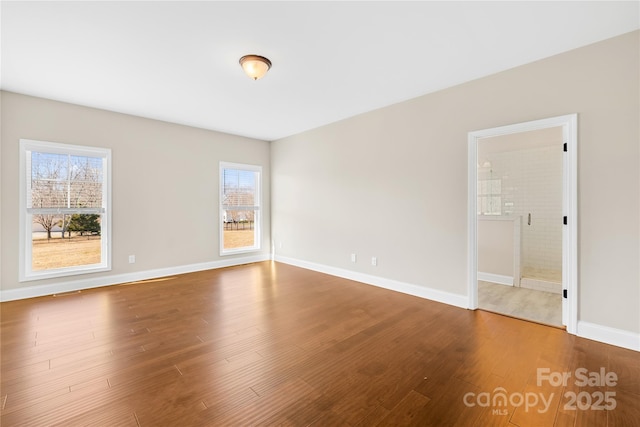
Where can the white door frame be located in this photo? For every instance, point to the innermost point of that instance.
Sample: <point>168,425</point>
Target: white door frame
<point>569,124</point>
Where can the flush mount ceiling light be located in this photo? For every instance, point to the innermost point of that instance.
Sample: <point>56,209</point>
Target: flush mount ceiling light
<point>255,66</point>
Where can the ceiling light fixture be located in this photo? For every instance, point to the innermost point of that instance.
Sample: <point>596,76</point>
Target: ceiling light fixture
<point>255,66</point>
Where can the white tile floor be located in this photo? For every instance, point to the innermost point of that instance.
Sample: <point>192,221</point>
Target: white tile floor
<point>539,306</point>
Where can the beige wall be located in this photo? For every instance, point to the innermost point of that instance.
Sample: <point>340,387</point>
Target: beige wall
<point>392,183</point>
<point>165,182</point>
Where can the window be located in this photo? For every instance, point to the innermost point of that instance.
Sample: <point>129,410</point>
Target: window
<point>239,208</point>
<point>490,197</point>
<point>64,209</point>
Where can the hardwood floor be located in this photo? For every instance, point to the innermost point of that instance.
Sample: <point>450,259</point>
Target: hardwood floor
<point>272,344</point>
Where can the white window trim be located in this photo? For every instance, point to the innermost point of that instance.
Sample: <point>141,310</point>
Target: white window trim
<point>25,268</point>
<point>258,212</point>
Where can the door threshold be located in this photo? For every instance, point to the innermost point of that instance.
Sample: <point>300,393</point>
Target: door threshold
<point>564,328</point>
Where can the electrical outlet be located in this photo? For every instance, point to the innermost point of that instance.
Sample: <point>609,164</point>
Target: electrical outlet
<point>353,258</point>
<point>374,261</point>
<point>132,259</point>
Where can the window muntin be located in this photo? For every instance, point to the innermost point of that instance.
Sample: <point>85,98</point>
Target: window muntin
<point>65,209</point>
<point>240,192</point>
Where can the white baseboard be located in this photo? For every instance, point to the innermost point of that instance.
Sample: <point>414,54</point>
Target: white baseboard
<point>495,278</point>
<point>394,285</point>
<point>604,334</point>
<point>96,282</point>
<point>607,335</point>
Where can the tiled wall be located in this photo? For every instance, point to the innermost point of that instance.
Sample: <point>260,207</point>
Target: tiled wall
<point>531,182</point>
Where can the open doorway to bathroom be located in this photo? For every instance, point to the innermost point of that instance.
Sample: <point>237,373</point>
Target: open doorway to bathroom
<point>523,220</point>
<point>519,224</point>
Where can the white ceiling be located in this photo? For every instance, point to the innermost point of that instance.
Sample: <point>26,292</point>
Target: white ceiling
<point>178,61</point>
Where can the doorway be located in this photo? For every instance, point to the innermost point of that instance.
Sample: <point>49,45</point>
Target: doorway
<point>505,246</point>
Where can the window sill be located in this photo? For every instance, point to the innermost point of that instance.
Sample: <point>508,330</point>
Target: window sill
<point>63,272</point>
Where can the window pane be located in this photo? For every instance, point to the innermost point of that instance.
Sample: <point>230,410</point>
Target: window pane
<point>65,241</point>
<point>85,189</point>
<point>65,181</point>
<point>239,187</point>
<point>495,207</point>
<point>495,186</point>
<point>239,229</point>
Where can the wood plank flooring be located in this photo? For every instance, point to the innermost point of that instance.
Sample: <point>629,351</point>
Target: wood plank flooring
<point>272,344</point>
